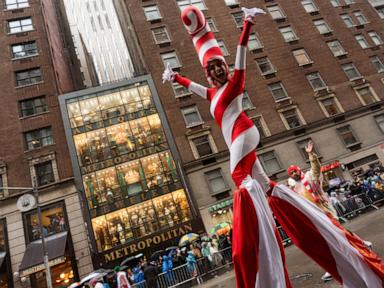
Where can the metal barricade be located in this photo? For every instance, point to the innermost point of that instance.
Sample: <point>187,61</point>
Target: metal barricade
<point>284,237</point>
<point>178,276</point>
<point>142,284</point>
<point>356,205</point>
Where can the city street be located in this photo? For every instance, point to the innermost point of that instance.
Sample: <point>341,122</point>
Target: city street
<point>304,273</point>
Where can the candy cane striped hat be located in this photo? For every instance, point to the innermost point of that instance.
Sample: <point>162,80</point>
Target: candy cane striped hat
<point>204,40</point>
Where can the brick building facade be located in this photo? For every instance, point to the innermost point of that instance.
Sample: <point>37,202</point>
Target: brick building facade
<point>314,71</point>
<point>37,64</point>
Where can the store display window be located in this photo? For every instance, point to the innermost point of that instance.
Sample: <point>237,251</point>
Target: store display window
<point>53,220</point>
<point>157,135</point>
<point>131,99</point>
<point>84,152</point>
<point>141,132</point>
<point>108,185</point>
<point>91,114</point>
<point>146,98</point>
<point>145,218</point>
<point>91,190</point>
<point>98,146</point>
<point>74,113</point>
<point>121,139</point>
<point>168,166</point>
<point>131,177</point>
<point>111,106</point>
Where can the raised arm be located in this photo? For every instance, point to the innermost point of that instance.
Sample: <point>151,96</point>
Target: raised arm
<point>249,21</point>
<point>171,76</point>
<point>313,160</point>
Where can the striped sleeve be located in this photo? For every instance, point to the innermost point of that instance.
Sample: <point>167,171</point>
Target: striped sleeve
<point>192,86</point>
<point>240,61</point>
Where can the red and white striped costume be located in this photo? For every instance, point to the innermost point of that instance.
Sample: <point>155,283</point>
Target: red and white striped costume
<point>257,250</point>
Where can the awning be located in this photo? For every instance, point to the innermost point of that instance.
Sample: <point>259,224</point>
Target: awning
<point>2,258</point>
<point>33,260</point>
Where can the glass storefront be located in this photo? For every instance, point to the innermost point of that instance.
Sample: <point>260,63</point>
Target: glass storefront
<point>129,177</point>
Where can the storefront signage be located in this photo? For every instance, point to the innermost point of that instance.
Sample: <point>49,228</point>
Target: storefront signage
<point>41,267</point>
<point>221,205</point>
<point>146,243</point>
<point>331,166</point>
<point>124,158</point>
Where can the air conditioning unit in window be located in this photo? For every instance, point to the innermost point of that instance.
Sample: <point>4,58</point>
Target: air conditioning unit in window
<point>322,91</point>
<point>358,81</point>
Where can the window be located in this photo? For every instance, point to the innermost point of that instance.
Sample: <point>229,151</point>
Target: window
<point>309,6</point>
<point>212,24</point>
<point>366,95</point>
<point>191,116</point>
<point>198,3</point>
<point>288,33</point>
<point>330,106</point>
<point>316,81</point>
<point>180,90</point>
<point>301,145</point>
<point>20,25</point>
<point>301,57</point>
<point>351,71</point>
<point>270,162</point>
<point>260,127</point>
<point>246,102</point>
<point>202,145</point>
<point>24,50</point>
<point>265,66</point>
<point>152,12</point>
<point>347,135</point>
<point>44,173</point>
<point>375,38</point>
<point>160,34</point>
<point>254,43</point>
<point>335,3</point>
<point>348,2</point>
<point>291,118</point>
<point>360,17</point>
<point>107,20</point>
<point>93,24</point>
<point>278,91</point>
<point>238,18</point>
<point>222,47</point>
<point>276,12</point>
<point>322,26</point>
<point>380,11</point>
<point>216,181</point>
<point>33,106</point>
<point>100,22</point>
<point>15,4</point>
<point>38,138</point>
<point>347,20</point>
<point>380,121</point>
<point>231,2</point>
<point>170,58</point>
<point>53,221</point>
<point>375,60</point>
<point>361,40</point>
<point>28,77</point>
<point>336,48</point>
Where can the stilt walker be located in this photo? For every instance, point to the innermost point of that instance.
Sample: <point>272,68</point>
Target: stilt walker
<point>257,250</point>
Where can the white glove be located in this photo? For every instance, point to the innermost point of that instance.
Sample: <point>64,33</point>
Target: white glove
<point>168,74</point>
<point>250,14</point>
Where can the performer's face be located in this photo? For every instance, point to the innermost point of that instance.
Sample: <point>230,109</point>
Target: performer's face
<point>217,71</point>
<point>295,174</point>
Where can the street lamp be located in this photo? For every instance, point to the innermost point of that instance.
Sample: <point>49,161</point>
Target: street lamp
<point>24,204</point>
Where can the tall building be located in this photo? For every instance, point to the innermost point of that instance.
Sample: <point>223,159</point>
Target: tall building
<point>314,71</point>
<point>99,41</point>
<point>37,64</point>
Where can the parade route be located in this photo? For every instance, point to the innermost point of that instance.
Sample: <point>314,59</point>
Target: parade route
<point>303,272</point>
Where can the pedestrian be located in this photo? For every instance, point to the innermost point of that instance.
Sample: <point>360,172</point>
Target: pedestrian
<point>191,264</point>
<point>150,274</point>
<point>122,280</point>
<point>97,282</point>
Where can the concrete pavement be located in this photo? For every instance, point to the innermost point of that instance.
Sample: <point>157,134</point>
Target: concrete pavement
<point>305,273</point>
